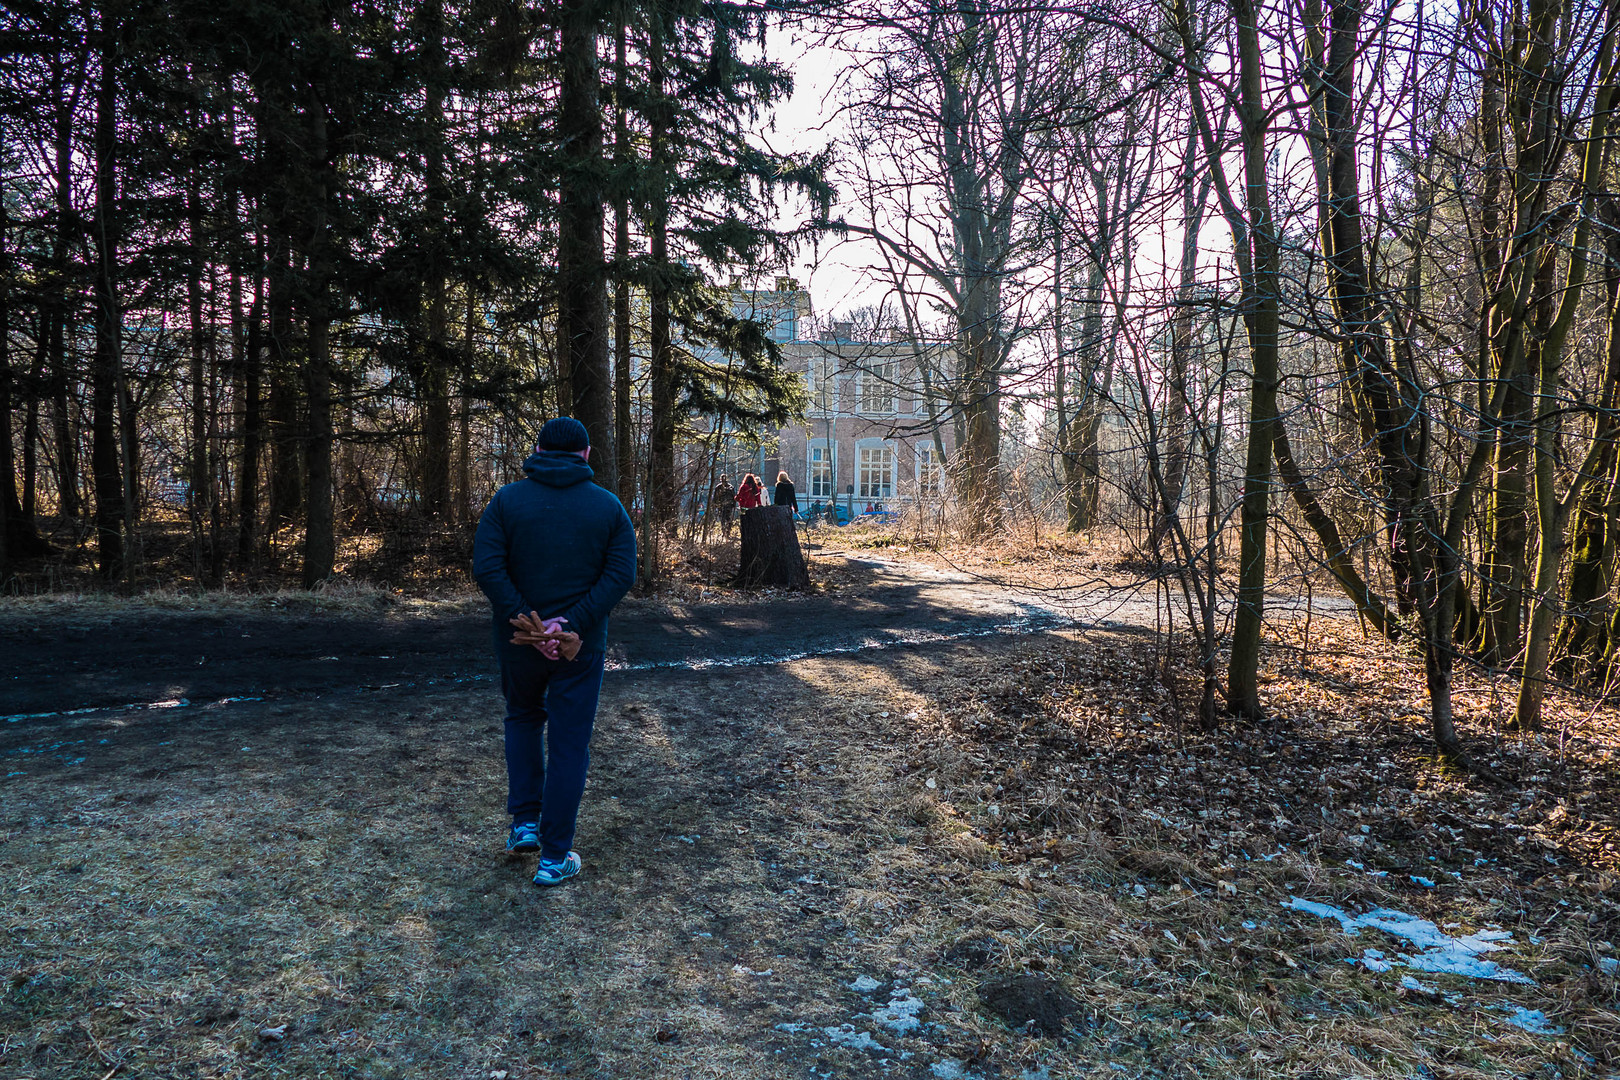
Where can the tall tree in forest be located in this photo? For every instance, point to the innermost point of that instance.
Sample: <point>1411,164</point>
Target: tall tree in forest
<point>435,358</point>
<point>1255,247</point>
<point>1552,509</point>
<point>961,93</point>
<point>582,313</point>
<point>704,185</point>
<point>623,342</point>
<point>104,454</point>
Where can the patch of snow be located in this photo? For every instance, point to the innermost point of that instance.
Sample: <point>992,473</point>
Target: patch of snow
<point>1427,883</point>
<point>864,984</point>
<point>1409,983</point>
<point>1250,924</point>
<point>950,1069</point>
<point>1532,1020</point>
<point>1352,864</point>
<point>846,1035</point>
<point>1609,965</point>
<point>1372,960</point>
<point>791,1029</point>
<point>744,969</point>
<point>900,1014</point>
<point>1440,952</point>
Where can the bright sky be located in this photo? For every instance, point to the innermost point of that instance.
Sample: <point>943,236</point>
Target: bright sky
<point>810,120</point>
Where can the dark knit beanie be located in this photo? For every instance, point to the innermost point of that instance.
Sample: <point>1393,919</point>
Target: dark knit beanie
<point>564,433</point>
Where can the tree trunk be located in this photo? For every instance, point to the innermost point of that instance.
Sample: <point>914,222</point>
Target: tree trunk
<point>1178,408</point>
<point>1260,317</point>
<point>1583,638</point>
<point>660,513</point>
<point>30,440</point>
<point>104,457</point>
<point>247,477</point>
<point>770,550</point>
<point>1552,512</point>
<point>320,541</point>
<point>18,538</point>
<point>433,374</point>
<point>199,479</point>
<point>623,347</point>
<point>63,305</point>
<point>286,437</point>
<point>9,508</point>
<point>1508,522</point>
<point>582,317</point>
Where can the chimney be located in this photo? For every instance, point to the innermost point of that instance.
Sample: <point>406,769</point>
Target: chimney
<point>787,284</point>
<point>898,333</point>
<point>843,331</point>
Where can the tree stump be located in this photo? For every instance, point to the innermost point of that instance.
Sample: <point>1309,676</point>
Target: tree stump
<point>770,550</point>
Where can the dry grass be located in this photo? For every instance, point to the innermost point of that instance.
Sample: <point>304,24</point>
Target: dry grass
<point>336,597</point>
<point>931,817</point>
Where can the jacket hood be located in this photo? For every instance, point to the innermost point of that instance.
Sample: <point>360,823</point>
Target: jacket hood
<point>557,468</point>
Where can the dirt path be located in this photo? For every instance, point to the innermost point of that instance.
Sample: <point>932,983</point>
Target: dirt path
<point>65,661</point>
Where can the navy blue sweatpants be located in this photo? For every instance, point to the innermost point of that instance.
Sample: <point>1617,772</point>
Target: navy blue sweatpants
<point>550,708</point>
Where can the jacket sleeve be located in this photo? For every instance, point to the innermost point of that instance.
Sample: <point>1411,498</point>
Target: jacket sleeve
<point>489,563</point>
<point>618,574</point>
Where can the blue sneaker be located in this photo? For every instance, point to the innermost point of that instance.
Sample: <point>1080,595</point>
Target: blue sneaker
<point>525,836</point>
<point>555,873</point>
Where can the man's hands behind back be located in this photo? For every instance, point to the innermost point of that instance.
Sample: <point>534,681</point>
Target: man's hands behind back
<point>546,635</point>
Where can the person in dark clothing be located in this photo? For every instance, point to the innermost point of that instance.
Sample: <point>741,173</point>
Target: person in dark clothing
<point>723,503</point>
<point>554,553</point>
<point>785,495</point>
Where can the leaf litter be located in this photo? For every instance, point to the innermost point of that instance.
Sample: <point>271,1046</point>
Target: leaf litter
<point>1134,861</point>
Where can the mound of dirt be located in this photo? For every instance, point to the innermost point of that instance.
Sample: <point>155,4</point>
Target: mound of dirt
<point>1032,1000</point>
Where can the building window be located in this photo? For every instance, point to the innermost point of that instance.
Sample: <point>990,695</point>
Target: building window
<point>930,476</point>
<point>787,325</point>
<point>823,377</point>
<point>874,477</point>
<point>820,470</point>
<point>877,387</point>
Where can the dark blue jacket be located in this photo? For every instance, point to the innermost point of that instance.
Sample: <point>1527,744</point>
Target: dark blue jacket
<point>555,543</point>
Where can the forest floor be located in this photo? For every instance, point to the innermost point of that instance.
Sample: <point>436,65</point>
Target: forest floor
<point>915,824</point>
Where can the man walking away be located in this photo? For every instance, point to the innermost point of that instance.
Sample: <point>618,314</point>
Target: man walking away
<point>553,553</point>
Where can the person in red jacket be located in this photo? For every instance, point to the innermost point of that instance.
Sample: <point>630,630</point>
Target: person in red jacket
<point>749,495</point>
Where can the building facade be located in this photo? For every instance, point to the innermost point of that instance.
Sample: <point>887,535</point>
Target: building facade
<point>870,439</point>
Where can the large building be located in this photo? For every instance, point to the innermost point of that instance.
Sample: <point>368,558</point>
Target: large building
<point>871,439</point>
